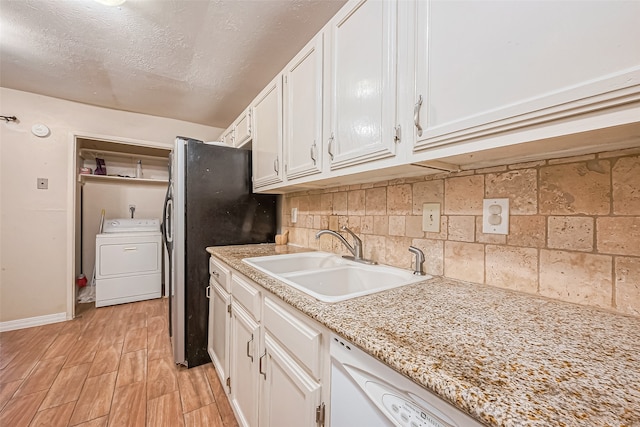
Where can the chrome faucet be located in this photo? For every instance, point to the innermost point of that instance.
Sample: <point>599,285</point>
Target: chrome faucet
<point>356,249</point>
<point>419,270</point>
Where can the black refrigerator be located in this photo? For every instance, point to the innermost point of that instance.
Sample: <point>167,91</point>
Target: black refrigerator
<point>209,202</point>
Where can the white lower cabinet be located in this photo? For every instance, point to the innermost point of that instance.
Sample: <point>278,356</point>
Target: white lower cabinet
<point>289,395</point>
<point>278,359</point>
<point>244,343</point>
<point>219,330</point>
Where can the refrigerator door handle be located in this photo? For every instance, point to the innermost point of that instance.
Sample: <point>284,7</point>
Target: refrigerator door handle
<point>167,226</point>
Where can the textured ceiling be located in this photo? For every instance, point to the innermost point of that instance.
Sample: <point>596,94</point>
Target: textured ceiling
<point>195,60</point>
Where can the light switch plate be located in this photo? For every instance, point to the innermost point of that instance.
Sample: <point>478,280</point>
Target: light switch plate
<point>495,216</point>
<point>43,183</point>
<point>294,215</point>
<point>431,217</point>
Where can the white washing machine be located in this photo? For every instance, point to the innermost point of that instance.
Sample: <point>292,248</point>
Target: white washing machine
<point>128,261</point>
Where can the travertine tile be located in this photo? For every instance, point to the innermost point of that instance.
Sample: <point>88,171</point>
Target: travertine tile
<point>396,225</point>
<point>397,252</point>
<point>433,255</point>
<point>58,416</point>
<point>354,223</point>
<point>314,203</point>
<point>575,188</point>
<point>326,204</point>
<point>464,195</point>
<point>618,235</point>
<point>464,261</point>
<point>376,201</point>
<point>576,277</point>
<point>333,223</point>
<point>498,239</point>
<point>413,226</point>
<point>626,186</point>
<point>381,225</point>
<point>571,232</point>
<point>367,224</point>
<point>399,199</point>
<point>303,204</point>
<point>166,411</point>
<point>443,233</point>
<point>512,268</point>
<point>311,238</point>
<point>95,399</point>
<point>355,202</point>
<point>519,186</point>
<point>493,169</point>
<point>374,248</point>
<point>527,165</point>
<point>627,276</point>
<point>339,203</point>
<point>573,159</point>
<point>427,192</point>
<point>529,231</point>
<point>462,228</point>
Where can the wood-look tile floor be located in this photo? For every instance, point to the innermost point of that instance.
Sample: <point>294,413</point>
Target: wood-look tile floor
<point>110,366</point>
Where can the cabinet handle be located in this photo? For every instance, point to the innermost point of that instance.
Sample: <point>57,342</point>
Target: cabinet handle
<point>250,356</point>
<point>264,373</point>
<point>208,292</point>
<point>131,248</point>
<point>313,152</point>
<point>330,146</point>
<point>416,115</point>
<point>249,123</point>
<point>276,165</point>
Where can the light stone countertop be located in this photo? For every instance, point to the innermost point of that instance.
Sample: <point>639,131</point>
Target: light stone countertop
<point>505,358</point>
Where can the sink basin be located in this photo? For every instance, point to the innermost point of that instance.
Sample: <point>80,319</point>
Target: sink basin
<point>331,278</point>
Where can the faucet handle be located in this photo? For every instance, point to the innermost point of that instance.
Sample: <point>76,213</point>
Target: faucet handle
<point>419,270</point>
<point>357,243</point>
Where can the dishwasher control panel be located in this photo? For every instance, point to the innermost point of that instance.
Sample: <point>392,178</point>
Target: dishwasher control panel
<point>408,414</point>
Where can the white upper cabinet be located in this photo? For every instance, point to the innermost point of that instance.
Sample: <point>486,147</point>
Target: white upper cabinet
<point>303,106</point>
<point>363,82</point>
<point>227,136</point>
<point>490,66</point>
<point>242,127</point>
<point>267,135</point>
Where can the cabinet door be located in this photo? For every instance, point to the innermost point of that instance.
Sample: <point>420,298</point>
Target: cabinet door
<point>489,66</point>
<point>289,395</point>
<point>267,135</point>
<point>243,128</point>
<point>219,330</point>
<point>303,111</point>
<point>363,81</point>
<point>245,338</point>
<point>228,136</point>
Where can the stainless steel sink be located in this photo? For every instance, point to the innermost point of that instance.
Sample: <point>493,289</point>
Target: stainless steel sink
<point>331,278</point>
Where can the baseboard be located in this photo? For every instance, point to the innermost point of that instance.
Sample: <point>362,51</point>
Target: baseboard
<point>29,322</point>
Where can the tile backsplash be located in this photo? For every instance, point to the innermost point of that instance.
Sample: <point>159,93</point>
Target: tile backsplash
<point>574,232</point>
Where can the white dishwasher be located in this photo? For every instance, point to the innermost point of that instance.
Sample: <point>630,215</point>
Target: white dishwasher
<point>128,261</point>
<point>366,392</point>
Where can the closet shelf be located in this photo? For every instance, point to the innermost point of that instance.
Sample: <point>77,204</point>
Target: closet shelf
<point>82,178</point>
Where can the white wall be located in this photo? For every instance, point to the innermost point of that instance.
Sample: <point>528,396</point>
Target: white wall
<point>36,248</point>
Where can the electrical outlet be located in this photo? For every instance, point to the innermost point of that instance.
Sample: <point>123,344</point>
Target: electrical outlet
<point>495,216</point>
<point>294,215</point>
<point>431,217</point>
<point>43,183</point>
